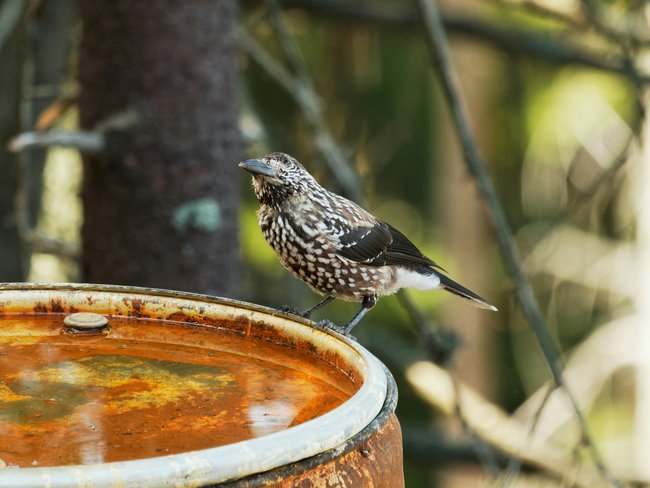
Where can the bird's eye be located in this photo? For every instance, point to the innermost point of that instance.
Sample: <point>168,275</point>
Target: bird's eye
<point>285,161</point>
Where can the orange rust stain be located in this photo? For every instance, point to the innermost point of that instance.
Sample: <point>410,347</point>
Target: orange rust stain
<point>135,306</point>
<point>55,306</point>
<point>179,317</point>
<point>149,388</point>
<point>377,463</point>
<point>241,323</point>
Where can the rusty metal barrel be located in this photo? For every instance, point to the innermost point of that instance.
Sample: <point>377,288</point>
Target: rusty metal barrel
<point>107,386</point>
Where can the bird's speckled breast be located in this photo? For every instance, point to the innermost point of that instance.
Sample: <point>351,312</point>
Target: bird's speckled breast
<point>309,254</point>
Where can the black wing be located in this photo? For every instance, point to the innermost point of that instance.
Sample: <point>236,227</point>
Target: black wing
<point>381,244</point>
<point>366,244</point>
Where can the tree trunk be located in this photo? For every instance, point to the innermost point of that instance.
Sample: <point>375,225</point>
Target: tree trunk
<point>11,53</point>
<point>161,205</point>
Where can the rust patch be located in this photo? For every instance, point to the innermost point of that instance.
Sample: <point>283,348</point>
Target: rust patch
<point>178,317</point>
<point>135,306</point>
<point>149,388</point>
<point>242,324</point>
<point>377,463</point>
<point>55,305</point>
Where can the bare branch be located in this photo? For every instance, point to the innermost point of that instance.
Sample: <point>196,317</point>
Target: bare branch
<point>566,13</point>
<point>440,53</point>
<point>618,27</point>
<point>543,45</point>
<point>46,245</point>
<point>490,423</point>
<point>84,141</point>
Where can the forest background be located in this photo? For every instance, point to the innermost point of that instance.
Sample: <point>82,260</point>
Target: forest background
<point>506,138</point>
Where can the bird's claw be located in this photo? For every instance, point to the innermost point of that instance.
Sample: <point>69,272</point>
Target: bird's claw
<point>325,324</point>
<point>290,310</point>
<point>329,325</point>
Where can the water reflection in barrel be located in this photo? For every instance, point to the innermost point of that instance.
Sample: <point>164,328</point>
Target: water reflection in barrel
<point>140,391</point>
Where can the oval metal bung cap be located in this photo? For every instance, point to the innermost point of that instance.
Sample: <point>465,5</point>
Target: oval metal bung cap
<point>86,321</point>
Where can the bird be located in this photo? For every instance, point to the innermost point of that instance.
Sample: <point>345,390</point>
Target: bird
<point>340,250</point>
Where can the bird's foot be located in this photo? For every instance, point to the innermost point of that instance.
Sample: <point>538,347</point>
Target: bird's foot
<point>329,325</point>
<point>290,310</point>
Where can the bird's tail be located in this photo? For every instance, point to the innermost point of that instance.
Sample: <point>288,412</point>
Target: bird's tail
<point>452,287</point>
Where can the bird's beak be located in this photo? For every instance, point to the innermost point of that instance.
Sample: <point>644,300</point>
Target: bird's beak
<point>257,168</point>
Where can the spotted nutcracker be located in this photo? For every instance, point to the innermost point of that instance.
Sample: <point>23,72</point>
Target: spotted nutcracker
<point>336,247</point>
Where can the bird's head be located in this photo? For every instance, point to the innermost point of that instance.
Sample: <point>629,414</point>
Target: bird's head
<point>277,176</point>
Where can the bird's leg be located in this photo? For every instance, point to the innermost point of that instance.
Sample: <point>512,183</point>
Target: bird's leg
<point>307,313</point>
<point>369,301</point>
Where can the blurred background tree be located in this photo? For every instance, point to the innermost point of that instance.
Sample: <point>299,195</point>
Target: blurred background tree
<point>556,94</point>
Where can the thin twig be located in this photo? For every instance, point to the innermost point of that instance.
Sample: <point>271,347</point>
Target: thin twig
<point>439,49</point>
<point>433,447</point>
<point>436,40</point>
<point>289,48</point>
<point>440,344</point>
<point>305,97</point>
<point>482,448</point>
<point>603,177</point>
<point>11,13</point>
<point>516,462</point>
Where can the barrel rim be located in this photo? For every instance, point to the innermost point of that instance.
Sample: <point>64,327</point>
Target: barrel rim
<point>281,473</point>
<point>222,463</point>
